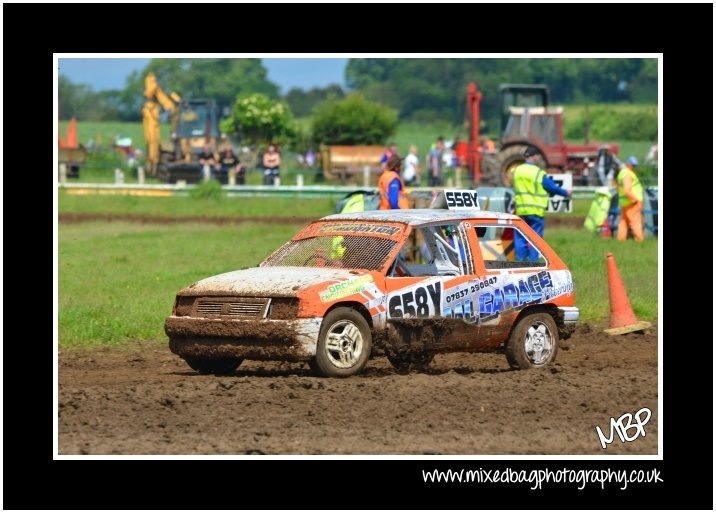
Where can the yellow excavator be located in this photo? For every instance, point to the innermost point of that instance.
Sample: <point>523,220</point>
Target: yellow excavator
<point>155,96</point>
<point>194,123</point>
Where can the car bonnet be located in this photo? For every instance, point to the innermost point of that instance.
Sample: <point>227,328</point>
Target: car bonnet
<point>267,281</point>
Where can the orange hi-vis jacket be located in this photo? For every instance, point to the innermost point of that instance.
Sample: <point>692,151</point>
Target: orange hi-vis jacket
<point>383,183</point>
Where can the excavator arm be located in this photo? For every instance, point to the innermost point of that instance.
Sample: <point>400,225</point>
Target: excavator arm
<point>156,96</point>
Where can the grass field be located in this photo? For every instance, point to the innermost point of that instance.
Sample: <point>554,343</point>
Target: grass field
<point>188,206</point>
<point>572,112</point>
<point>117,280</point>
<point>222,206</point>
<point>103,133</point>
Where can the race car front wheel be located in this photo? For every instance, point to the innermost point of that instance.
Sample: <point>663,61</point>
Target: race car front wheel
<point>533,342</point>
<point>344,344</point>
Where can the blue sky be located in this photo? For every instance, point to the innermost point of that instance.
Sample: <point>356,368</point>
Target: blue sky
<point>104,73</point>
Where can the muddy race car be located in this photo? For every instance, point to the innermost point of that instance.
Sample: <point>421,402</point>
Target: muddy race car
<point>405,284</point>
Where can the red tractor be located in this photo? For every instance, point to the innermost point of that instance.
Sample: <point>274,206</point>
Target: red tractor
<point>528,120</point>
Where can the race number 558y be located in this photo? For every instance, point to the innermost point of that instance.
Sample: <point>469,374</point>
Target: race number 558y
<point>461,199</point>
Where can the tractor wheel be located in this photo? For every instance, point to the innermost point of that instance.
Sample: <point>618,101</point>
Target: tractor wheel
<point>511,157</point>
<point>490,169</point>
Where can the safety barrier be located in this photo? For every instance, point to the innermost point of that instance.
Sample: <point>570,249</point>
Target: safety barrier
<point>247,190</point>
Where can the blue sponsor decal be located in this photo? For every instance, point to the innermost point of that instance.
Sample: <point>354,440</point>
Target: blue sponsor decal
<point>472,307</point>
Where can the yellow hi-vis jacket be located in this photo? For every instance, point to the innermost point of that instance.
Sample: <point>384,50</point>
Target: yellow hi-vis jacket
<point>636,187</point>
<point>531,199</point>
<point>355,203</point>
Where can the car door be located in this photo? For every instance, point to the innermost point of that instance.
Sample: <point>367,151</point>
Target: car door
<point>427,293</point>
<point>507,282</point>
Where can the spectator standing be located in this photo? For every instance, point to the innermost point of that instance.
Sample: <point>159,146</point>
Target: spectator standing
<point>631,199</point>
<point>652,157</point>
<point>435,166</point>
<point>533,186</point>
<point>391,186</point>
<point>607,165</point>
<point>272,165</point>
<point>488,145</point>
<point>310,157</point>
<point>391,150</point>
<point>411,167</point>
<point>461,152</point>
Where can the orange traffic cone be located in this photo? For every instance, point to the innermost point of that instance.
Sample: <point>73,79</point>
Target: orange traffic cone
<point>622,319</point>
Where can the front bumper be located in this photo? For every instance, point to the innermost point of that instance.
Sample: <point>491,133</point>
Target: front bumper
<point>201,337</point>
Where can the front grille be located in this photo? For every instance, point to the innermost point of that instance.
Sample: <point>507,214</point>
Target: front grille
<point>209,308</point>
<point>242,307</point>
<point>246,309</point>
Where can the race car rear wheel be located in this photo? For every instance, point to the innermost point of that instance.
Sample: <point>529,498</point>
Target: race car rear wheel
<point>344,344</point>
<point>533,342</point>
<point>214,365</point>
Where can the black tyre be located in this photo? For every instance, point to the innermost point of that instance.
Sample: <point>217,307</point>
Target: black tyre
<point>406,362</point>
<point>214,365</point>
<point>344,344</point>
<point>314,366</point>
<point>162,174</point>
<point>533,342</point>
<point>510,158</point>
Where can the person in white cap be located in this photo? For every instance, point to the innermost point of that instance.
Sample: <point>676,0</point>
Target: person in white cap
<point>631,199</point>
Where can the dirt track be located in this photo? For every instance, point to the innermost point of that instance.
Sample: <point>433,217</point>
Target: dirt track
<point>145,400</point>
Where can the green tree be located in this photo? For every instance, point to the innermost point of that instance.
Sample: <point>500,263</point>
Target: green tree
<point>363,72</point>
<point>422,89</point>
<point>258,119</point>
<point>353,120</point>
<point>216,79</point>
<point>82,102</point>
<point>73,98</point>
<point>303,102</point>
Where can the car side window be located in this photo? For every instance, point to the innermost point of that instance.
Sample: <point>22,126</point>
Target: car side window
<point>442,250</point>
<point>505,247</point>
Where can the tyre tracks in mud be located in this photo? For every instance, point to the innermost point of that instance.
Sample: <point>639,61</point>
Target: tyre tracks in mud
<point>142,399</point>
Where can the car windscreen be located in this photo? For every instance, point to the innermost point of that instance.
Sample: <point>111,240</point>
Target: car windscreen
<point>337,251</point>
